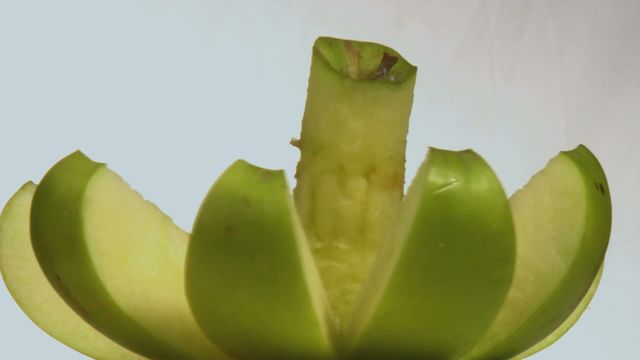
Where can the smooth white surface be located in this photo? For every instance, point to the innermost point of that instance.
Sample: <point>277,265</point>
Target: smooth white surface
<point>169,93</point>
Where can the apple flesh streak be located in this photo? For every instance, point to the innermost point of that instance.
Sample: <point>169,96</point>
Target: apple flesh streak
<point>350,178</point>
<point>116,259</point>
<point>32,291</point>
<point>251,280</point>
<point>444,272</point>
<point>562,219</point>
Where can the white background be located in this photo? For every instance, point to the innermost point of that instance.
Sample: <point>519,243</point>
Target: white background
<point>169,93</point>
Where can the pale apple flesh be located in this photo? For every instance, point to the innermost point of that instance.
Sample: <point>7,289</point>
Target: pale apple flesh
<point>350,178</point>
<point>562,219</point>
<point>443,273</point>
<point>34,294</point>
<point>251,280</point>
<point>116,259</point>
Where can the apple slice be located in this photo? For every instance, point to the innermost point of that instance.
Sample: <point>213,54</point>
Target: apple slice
<point>33,293</point>
<point>116,259</point>
<point>251,279</point>
<point>442,275</point>
<point>568,323</point>
<point>562,219</point>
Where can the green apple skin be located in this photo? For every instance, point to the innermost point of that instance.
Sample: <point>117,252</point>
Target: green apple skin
<point>350,178</point>
<point>444,272</point>
<point>30,288</point>
<point>563,220</point>
<point>119,265</point>
<point>568,323</point>
<point>251,281</point>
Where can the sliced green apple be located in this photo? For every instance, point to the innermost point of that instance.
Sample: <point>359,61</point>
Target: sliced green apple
<point>33,292</point>
<point>251,280</point>
<point>116,259</point>
<point>443,273</point>
<point>562,219</point>
<point>567,324</point>
<point>350,178</point>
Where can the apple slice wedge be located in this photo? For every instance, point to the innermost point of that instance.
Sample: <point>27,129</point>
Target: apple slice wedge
<point>442,275</point>
<point>30,288</point>
<point>562,219</point>
<point>251,280</point>
<point>116,259</point>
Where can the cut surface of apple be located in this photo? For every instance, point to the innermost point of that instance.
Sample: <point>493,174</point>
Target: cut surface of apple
<point>562,219</point>
<point>251,280</point>
<point>444,271</point>
<point>350,178</point>
<point>32,291</point>
<point>567,324</point>
<point>116,259</point>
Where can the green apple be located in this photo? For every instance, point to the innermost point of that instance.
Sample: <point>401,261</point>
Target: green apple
<point>567,324</point>
<point>350,178</point>
<point>116,259</point>
<point>33,292</point>
<point>562,219</point>
<point>346,268</point>
<point>444,271</point>
<point>250,276</point>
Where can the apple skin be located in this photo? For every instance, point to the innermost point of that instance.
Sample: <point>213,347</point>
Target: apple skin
<point>563,221</point>
<point>31,290</point>
<point>62,246</point>
<point>444,272</point>
<point>250,279</point>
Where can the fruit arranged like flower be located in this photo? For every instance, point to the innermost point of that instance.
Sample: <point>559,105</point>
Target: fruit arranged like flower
<point>346,267</point>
